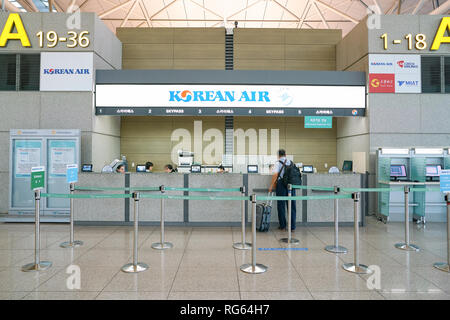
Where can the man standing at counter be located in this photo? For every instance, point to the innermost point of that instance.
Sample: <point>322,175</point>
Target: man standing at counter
<point>279,169</point>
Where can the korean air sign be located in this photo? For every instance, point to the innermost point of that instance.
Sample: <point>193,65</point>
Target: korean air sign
<point>67,71</point>
<point>230,96</point>
<point>218,95</point>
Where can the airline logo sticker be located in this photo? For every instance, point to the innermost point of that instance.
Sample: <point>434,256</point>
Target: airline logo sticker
<point>381,83</point>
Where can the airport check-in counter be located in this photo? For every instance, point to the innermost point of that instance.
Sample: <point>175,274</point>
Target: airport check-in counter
<point>205,212</point>
<point>415,168</point>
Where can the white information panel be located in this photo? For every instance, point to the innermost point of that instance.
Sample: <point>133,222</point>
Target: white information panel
<point>405,69</point>
<point>255,96</point>
<point>67,71</point>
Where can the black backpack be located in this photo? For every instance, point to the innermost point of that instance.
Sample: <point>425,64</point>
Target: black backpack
<point>291,175</point>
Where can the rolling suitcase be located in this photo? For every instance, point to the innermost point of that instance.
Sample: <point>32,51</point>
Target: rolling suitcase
<point>263,212</point>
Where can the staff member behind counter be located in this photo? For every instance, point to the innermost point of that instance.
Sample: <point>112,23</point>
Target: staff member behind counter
<point>120,168</point>
<point>169,168</point>
<point>149,167</point>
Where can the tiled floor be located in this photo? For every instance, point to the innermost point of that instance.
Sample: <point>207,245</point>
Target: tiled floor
<point>203,264</point>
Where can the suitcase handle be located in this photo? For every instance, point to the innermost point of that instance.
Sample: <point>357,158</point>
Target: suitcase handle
<point>270,201</point>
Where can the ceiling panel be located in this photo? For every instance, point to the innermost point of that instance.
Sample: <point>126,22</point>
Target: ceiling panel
<point>259,13</point>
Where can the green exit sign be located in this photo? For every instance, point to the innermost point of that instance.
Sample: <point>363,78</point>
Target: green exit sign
<point>318,122</point>
<point>37,178</point>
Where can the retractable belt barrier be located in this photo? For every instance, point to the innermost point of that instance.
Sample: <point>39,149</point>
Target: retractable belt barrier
<point>116,189</point>
<point>253,267</point>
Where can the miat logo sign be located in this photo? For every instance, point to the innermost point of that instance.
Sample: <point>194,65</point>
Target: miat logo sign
<point>66,71</point>
<point>218,95</point>
<point>407,83</point>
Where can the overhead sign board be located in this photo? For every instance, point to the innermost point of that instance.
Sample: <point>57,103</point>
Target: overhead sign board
<point>190,99</point>
<point>24,31</point>
<point>67,71</point>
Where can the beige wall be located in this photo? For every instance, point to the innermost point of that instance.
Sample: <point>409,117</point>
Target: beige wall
<point>149,138</point>
<point>285,49</point>
<point>172,48</point>
<point>310,146</point>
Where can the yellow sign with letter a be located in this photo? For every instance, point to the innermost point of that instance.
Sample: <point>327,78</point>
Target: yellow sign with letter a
<point>14,20</point>
<point>440,34</point>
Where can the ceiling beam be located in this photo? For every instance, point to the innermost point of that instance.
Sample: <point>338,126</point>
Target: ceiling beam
<point>114,9</point>
<point>85,2</point>
<point>442,9</point>
<point>144,21</point>
<point>10,7</point>
<point>206,9</point>
<point>418,6</point>
<point>399,6</point>
<point>58,6</point>
<point>304,14</point>
<point>392,8</point>
<point>338,12</point>
<point>145,13</point>
<point>321,15</point>
<point>71,6</point>
<point>159,11</point>
<point>28,5</point>
<point>377,5</point>
<point>286,9</point>
<point>244,9</point>
<point>125,20</point>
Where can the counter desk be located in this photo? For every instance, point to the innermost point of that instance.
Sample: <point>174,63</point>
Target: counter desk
<point>207,212</point>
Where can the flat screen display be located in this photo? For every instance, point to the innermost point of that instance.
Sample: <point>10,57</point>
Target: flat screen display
<point>398,171</point>
<point>140,168</point>
<point>86,168</point>
<point>433,170</point>
<point>308,169</point>
<point>347,166</point>
<point>252,169</point>
<point>196,168</point>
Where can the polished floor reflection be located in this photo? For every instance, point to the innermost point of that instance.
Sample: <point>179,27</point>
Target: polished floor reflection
<point>203,264</point>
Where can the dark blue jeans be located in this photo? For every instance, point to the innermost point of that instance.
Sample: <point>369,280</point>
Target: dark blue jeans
<point>282,190</point>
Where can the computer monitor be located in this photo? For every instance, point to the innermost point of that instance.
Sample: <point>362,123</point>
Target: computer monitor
<point>433,170</point>
<point>308,169</point>
<point>347,166</point>
<point>86,168</point>
<point>140,168</point>
<point>196,168</point>
<point>252,168</point>
<point>398,171</point>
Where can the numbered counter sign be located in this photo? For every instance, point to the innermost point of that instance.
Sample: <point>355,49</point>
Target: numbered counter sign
<point>445,181</point>
<point>72,173</point>
<point>37,178</point>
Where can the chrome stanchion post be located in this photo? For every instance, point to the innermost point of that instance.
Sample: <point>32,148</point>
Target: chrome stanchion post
<point>356,267</point>
<point>253,267</point>
<point>37,265</point>
<point>242,245</point>
<point>406,245</point>
<point>135,266</point>
<point>289,239</point>
<point>71,243</point>
<point>161,245</point>
<point>442,265</point>
<point>336,248</point>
